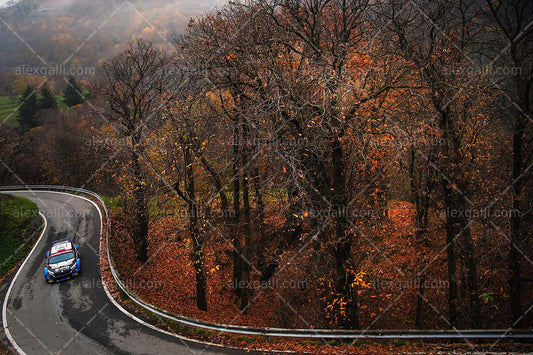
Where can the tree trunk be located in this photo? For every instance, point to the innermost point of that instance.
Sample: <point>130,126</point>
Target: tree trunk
<point>343,240</point>
<point>419,302</point>
<point>237,248</point>
<point>201,301</point>
<point>215,178</point>
<point>451,257</point>
<point>246,267</point>
<point>457,220</point>
<point>471,276</point>
<point>141,214</point>
<point>421,191</point>
<point>451,225</point>
<point>293,224</point>
<point>260,205</point>
<point>515,269</point>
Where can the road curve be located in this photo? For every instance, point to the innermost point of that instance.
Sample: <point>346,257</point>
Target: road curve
<point>76,316</point>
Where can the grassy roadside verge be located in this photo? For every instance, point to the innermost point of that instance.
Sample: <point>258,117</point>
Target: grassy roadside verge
<point>19,222</point>
<point>19,225</point>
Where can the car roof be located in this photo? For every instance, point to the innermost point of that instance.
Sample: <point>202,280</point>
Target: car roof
<point>60,247</point>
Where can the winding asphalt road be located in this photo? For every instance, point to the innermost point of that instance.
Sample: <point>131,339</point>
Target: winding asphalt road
<point>76,316</point>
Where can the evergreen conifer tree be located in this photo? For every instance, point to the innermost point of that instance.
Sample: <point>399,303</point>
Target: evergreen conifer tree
<point>28,108</point>
<point>72,93</point>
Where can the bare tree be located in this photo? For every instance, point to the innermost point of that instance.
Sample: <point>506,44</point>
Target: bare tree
<point>512,49</point>
<point>230,66</point>
<point>135,80</point>
<point>437,38</point>
<point>322,94</point>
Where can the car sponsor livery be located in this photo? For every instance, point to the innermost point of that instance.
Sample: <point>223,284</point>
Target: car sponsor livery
<point>62,261</point>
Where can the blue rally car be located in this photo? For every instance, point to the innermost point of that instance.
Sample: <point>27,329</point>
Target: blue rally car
<point>62,261</point>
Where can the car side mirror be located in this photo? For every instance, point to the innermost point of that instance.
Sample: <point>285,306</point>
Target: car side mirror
<point>77,246</point>
<point>47,254</point>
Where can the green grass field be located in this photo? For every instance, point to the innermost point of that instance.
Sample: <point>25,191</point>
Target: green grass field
<point>9,105</point>
<point>16,216</point>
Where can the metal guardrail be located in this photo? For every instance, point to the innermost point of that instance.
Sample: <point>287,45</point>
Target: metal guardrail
<point>284,332</point>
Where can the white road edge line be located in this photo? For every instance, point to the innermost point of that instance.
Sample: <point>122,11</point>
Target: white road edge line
<point>4,307</point>
<point>106,290</point>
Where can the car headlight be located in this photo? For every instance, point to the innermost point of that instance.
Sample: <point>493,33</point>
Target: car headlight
<point>73,266</point>
<point>50,272</point>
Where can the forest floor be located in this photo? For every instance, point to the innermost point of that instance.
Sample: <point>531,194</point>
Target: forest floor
<point>292,298</point>
<point>168,282</point>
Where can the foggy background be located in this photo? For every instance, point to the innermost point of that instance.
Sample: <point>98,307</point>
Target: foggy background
<point>84,33</point>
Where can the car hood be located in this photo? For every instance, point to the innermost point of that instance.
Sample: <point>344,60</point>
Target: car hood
<point>61,264</point>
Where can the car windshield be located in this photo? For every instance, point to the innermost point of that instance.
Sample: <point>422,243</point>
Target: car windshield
<point>61,257</point>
